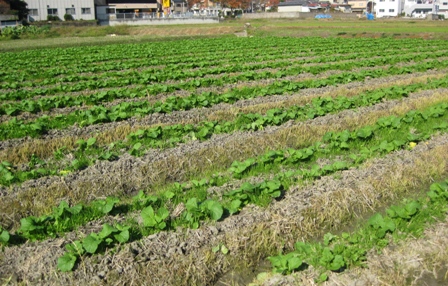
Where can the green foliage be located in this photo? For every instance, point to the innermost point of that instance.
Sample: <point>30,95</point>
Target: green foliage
<point>34,227</point>
<point>286,264</point>
<point>105,206</point>
<point>4,236</point>
<point>439,191</point>
<point>67,262</point>
<point>93,243</point>
<point>197,211</point>
<point>336,253</point>
<point>53,18</point>
<point>68,17</point>
<point>239,168</point>
<point>141,200</point>
<point>220,247</point>
<point>155,220</point>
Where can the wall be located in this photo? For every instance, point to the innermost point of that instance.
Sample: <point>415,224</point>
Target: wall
<point>386,6</point>
<point>289,9</point>
<point>297,15</point>
<point>166,21</point>
<point>43,5</point>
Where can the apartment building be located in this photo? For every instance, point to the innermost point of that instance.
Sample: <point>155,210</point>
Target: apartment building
<point>39,10</point>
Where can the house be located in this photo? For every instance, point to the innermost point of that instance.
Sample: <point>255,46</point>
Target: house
<point>39,10</point>
<point>293,6</point>
<point>389,8</point>
<point>344,7</point>
<point>358,6</point>
<point>179,6</point>
<point>443,8</point>
<point>421,8</point>
<point>130,6</point>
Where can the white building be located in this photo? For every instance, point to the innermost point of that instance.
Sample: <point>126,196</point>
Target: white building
<point>293,6</point>
<point>39,10</point>
<point>422,8</point>
<point>389,8</point>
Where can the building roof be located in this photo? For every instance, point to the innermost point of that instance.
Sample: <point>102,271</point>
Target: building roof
<point>293,3</point>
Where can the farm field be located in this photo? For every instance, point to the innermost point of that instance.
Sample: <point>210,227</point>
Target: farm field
<point>271,160</point>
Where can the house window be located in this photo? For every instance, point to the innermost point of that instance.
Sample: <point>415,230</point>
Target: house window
<point>392,0</point>
<point>85,11</point>
<point>110,10</point>
<point>70,11</point>
<point>382,0</point>
<point>381,10</point>
<point>445,3</point>
<point>33,12</point>
<point>391,10</point>
<point>52,11</point>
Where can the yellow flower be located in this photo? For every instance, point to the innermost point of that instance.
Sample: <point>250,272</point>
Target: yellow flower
<point>412,145</point>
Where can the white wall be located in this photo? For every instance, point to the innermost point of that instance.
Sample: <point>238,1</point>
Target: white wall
<point>391,8</point>
<point>160,21</point>
<point>42,7</point>
<point>283,9</point>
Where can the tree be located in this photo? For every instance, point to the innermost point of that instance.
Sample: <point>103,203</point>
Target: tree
<point>4,7</point>
<point>191,3</point>
<point>19,7</point>
<point>235,4</point>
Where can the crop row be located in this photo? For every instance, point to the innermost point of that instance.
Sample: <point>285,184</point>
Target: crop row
<point>146,82</point>
<point>178,72</point>
<point>88,152</point>
<point>240,62</point>
<point>339,252</point>
<point>388,134</point>
<point>144,55</point>
<point>17,129</point>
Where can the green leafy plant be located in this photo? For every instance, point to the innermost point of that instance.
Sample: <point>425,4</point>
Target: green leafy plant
<point>196,211</point>
<point>105,206</point>
<point>4,236</point>
<point>155,220</point>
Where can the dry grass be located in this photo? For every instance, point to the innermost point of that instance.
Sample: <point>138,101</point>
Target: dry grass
<point>179,167</point>
<point>44,148</point>
<point>249,246</point>
<point>420,261</point>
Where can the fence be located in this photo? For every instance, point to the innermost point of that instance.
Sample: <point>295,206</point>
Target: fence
<point>154,15</point>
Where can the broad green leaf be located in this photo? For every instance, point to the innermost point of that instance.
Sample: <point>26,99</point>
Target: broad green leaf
<point>66,262</point>
<point>148,216</point>
<point>192,204</point>
<point>75,209</point>
<point>75,248</point>
<point>137,146</point>
<point>122,237</point>
<point>106,231</point>
<point>294,263</point>
<point>364,133</point>
<point>4,236</point>
<point>234,206</point>
<point>322,278</point>
<point>168,194</point>
<point>91,141</point>
<point>91,243</point>
<point>162,214</point>
<point>28,224</point>
<point>215,209</point>
<point>337,263</point>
